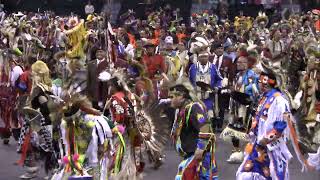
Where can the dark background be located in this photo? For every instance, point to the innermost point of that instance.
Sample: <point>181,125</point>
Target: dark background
<point>65,7</point>
<point>140,7</point>
<point>60,7</point>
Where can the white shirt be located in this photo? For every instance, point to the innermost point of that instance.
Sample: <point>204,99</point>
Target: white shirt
<point>130,50</point>
<point>56,90</point>
<point>15,73</point>
<point>99,61</point>
<point>219,61</point>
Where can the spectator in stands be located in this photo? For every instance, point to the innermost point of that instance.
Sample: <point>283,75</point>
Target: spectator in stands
<point>89,8</point>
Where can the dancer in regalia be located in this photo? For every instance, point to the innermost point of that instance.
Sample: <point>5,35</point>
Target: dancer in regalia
<point>138,131</point>
<point>192,135</point>
<point>122,110</point>
<point>243,97</point>
<point>205,77</point>
<point>40,126</point>
<point>267,156</point>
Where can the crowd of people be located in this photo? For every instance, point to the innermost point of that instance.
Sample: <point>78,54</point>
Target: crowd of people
<point>95,100</point>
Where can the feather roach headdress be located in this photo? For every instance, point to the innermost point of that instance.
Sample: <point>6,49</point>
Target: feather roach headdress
<point>262,17</point>
<point>183,86</point>
<point>76,37</point>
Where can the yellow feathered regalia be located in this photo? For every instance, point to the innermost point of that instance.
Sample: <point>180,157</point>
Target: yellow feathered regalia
<point>243,23</point>
<point>76,39</point>
<point>175,65</point>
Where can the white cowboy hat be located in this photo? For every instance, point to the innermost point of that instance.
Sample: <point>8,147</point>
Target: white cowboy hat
<point>19,14</point>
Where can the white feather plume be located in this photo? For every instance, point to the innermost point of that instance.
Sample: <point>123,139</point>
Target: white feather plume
<point>297,100</point>
<point>104,76</point>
